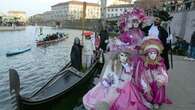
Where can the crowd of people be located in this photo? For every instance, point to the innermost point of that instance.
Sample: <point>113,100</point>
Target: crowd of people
<point>48,37</point>
<point>135,73</point>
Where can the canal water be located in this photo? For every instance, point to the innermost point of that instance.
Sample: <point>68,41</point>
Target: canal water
<point>35,67</point>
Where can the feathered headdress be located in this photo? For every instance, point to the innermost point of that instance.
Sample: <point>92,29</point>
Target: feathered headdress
<point>135,13</point>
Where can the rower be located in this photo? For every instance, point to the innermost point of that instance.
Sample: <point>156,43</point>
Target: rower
<point>75,55</point>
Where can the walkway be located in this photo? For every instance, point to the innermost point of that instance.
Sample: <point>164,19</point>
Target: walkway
<point>181,88</point>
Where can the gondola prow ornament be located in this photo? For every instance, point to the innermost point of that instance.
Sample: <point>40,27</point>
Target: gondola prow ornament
<point>14,89</point>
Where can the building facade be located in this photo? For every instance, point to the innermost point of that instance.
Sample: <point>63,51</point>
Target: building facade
<point>120,2</point>
<point>20,15</point>
<point>72,10</point>
<point>116,10</point>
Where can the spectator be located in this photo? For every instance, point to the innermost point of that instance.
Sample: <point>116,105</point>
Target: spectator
<point>191,54</point>
<point>103,39</point>
<point>187,4</point>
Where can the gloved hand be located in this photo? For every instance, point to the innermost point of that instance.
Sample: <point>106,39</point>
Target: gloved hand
<point>170,38</point>
<point>106,41</point>
<point>126,67</point>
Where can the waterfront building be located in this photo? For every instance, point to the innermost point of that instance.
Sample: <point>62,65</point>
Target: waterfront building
<point>20,15</point>
<point>116,10</point>
<point>119,2</point>
<point>72,10</point>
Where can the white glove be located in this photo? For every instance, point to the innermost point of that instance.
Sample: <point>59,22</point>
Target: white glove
<point>144,85</point>
<point>170,38</point>
<point>106,41</point>
<point>127,68</point>
<point>105,84</point>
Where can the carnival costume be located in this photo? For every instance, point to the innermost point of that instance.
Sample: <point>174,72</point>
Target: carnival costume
<point>106,90</point>
<point>129,97</point>
<point>131,34</point>
<point>88,50</point>
<point>156,30</point>
<point>150,75</point>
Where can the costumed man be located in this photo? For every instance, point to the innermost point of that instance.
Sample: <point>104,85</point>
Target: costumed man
<point>75,55</point>
<point>150,74</point>
<point>88,50</point>
<point>129,23</point>
<point>158,31</point>
<point>104,38</point>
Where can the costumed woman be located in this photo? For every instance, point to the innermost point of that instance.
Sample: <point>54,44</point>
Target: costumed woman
<point>129,25</point>
<point>129,97</point>
<point>106,90</point>
<point>151,75</point>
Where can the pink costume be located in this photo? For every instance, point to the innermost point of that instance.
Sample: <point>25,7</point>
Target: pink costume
<point>116,45</point>
<point>104,91</point>
<point>147,77</point>
<point>132,35</point>
<point>129,97</point>
<point>150,74</point>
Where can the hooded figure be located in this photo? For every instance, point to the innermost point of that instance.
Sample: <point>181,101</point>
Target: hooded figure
<point>75,55</point>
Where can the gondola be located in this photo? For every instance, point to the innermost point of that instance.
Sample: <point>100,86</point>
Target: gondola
<point>17,51</point>
<point>42,43</point>
<point>62,85</point>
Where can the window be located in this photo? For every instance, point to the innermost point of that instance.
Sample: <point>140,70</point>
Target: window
<point>116,9</point>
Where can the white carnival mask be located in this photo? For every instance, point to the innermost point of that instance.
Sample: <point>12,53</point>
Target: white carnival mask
<point>152,55</point>
<point>129,23</point>
<point>123,57</point>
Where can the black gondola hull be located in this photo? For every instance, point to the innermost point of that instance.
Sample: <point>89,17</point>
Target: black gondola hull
<point>74,92</point>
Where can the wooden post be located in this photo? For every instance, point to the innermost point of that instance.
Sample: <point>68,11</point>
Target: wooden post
<point>83,19</point>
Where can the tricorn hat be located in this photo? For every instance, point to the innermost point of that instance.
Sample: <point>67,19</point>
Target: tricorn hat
<point>163,15</point>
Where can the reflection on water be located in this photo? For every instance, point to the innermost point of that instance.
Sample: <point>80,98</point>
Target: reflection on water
<point>35,67</point>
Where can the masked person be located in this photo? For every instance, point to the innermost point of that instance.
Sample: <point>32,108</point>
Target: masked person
<point>131,32</point>
<point>150,74</point>
<point>159,32</point>
<point>88,50</point>
<point>105,92</point>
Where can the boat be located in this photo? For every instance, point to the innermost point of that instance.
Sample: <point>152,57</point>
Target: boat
<point>42,42</point>
<point>18,51</point>
<point>66,82</point>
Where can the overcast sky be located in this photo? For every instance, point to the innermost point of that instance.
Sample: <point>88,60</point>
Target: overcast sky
<point>31,7</point>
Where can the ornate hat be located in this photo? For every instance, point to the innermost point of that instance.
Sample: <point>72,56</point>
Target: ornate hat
<point>151,44</point>
<point>135,13</point>
<point>163,15</point>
